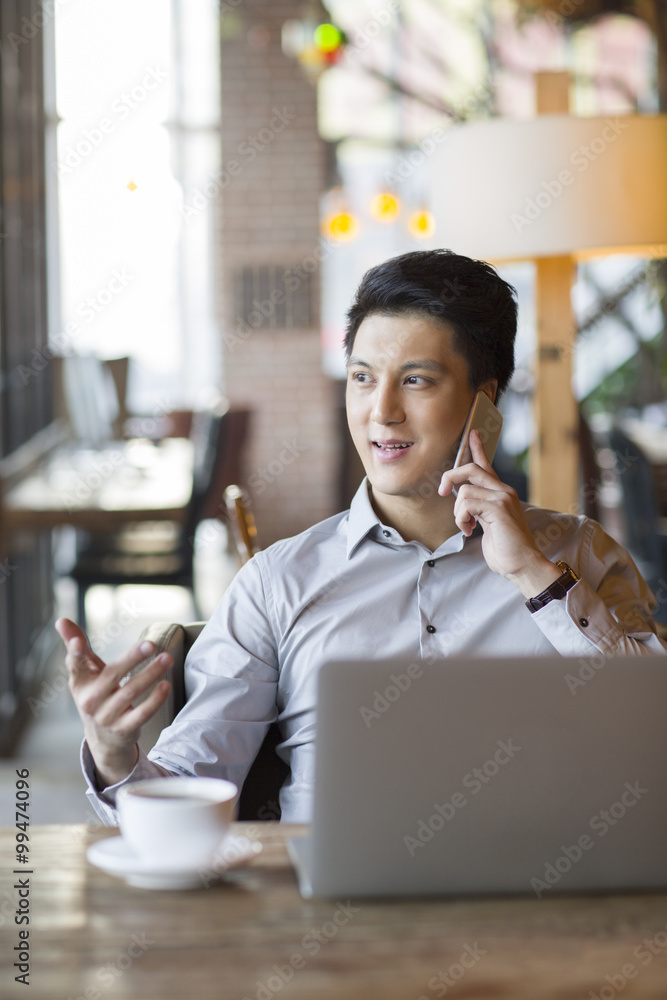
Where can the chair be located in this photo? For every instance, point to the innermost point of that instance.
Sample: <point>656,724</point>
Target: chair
<point>241,523</point>
<point>159,552</point>
<point>259,796</point>
<point>645,534</point>
<point>119,369</point>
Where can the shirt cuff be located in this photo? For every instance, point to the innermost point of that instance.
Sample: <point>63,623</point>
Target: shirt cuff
<point>581,623</point>
<point>103,800</point>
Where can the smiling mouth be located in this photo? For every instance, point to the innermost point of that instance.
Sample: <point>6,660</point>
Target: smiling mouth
<point>392,445</point>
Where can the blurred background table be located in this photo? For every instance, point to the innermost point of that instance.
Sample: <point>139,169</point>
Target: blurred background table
<point>102,489</point>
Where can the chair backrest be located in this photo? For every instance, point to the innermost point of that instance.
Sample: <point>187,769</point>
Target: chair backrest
<point>230,469</point>
<point>176,640</point>
<point>218,439</point>
<point>259,796</point>
<point>241,523</point>
<point>208,435</point>
<point>90,398</point>
<point>119,369</point>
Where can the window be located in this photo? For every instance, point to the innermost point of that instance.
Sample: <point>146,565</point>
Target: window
<point>138,147</point>
<point>26,373</point>
<point>275,298</point>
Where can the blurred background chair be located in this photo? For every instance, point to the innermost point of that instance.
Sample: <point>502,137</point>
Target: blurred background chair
<point>161,552</point>
<point>241,523</point>
<point>646,531</point>
<point>91,396</point>
<point>119,369</point>
<point>259,796</point>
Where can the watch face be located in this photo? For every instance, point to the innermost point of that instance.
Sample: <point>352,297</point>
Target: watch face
<point>566,568</point>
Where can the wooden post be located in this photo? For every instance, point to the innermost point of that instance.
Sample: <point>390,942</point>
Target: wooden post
<point>554,454</point>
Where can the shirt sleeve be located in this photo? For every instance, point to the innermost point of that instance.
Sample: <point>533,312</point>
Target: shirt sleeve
<point>231,677</point>
<point>609,610</point>
<point>231,682</point>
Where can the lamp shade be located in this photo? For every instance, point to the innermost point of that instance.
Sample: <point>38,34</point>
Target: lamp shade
<point>555,185</point>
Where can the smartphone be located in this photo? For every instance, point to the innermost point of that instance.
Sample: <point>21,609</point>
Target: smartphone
<point>488,420</point>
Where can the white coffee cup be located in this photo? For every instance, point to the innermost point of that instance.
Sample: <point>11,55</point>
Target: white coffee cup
<point>176,822</point>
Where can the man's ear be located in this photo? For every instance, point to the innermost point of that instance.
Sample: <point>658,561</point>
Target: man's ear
<point>490,388</point>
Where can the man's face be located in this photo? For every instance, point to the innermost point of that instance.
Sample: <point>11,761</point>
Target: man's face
<point>408,396</point>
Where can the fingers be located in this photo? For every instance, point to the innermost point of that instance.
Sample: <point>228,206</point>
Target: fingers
<point>120,700</point>
<point>466,511</point>
<point>479,471</point>
<point>475,503</point>
<point>80,661</point>
<point>115,671</point>
<point>454,479</point>
<point>478,453</point>
<point>106,699</point>
<point>128,723</point>
<point>67,629</point>
<point>79,654</point>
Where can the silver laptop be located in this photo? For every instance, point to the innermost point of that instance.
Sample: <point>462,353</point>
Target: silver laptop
<point>488,776</point>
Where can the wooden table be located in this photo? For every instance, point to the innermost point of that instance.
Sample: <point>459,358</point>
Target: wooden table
<point>100,490</point>
<point>252,936</point>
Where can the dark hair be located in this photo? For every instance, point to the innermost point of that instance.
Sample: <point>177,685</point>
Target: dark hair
<point>468,294</point>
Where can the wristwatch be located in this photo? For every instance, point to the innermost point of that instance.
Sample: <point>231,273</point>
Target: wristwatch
<point>557,590</point>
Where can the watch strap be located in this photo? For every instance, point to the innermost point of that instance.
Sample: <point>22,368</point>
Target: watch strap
<point>557,590</point>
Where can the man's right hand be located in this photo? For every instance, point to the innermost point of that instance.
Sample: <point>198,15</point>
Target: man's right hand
<point>111,722</point>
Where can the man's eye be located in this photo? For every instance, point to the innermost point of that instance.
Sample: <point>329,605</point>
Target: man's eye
<point>416,380</point>
<point>362,377</point>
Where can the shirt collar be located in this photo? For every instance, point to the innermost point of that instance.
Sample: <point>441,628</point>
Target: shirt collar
<point>362,520</point>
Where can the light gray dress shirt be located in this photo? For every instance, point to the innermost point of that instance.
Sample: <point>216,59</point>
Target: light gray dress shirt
<point>352,588</point>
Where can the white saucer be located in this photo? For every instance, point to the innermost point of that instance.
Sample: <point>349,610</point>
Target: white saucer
<point>115,857</point>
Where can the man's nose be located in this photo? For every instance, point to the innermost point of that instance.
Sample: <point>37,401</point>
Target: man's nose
<point>387,406</point>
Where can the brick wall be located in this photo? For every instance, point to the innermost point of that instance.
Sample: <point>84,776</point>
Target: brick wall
<point>268,218</point>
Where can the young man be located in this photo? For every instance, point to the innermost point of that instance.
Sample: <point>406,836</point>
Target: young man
<point>409,571</point>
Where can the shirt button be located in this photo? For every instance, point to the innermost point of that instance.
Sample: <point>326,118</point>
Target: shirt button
<point>386,533</point>
<point>583,622</point>
<point>430,628</point>
<point>431,562</point>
